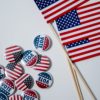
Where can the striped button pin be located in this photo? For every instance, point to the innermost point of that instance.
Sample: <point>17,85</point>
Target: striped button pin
<point>13,71</point>
<point>13,53</point>
<point>30,95</point>
<point>15,97</point>
<point>2,72</point>
<point>24,82</point>
<point>7,87</point>
<point>43,64</point>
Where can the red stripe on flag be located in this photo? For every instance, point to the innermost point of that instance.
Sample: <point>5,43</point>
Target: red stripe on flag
<point>82,48</point>
<point>54,18</point>
<point>82,33</point>
<point>84,52</point>
<point>65,43</point>
<point>86,57</point>
<point>88,5</point>
<point>53,7</point>
<point>77,29</point>
<point>59,9</point>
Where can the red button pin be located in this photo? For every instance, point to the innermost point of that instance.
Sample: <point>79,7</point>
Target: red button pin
<point>24,82</point>
<point>42,42</point>
<point>13,71</point>
<point>7,87</point>
<point>15,97</point>
<point>30,95</point>
<point>13,53</point>
<point>30,58</point>
<point>43,64</point>
<point>44,80</point>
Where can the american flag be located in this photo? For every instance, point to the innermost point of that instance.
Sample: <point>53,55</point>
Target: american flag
<point>53,9</point>
<point>80,32</point>
<point>15,97</point>
<point>43,64</point>
<point>24,82</point>
<point>13,71</point>
<point>13,53</point>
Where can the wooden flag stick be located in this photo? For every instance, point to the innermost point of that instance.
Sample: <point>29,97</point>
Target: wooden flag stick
<point>74,75</point>
<point>77,85</point>
<point>83,79</point>
<point>74,66</point>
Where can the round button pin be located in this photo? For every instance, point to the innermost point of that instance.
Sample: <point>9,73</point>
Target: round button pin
<point>30,58</point>
<point>2,72</point>
<point>30,95</point>
<point>24,82</point>
<point>13,53</point>
<point>3,96</point>
<point>44,80</point>
<point>15,97</point>
<point>43,64</point>
<point>42,42</point>
<point>7,87</point>
<point>13,71</point>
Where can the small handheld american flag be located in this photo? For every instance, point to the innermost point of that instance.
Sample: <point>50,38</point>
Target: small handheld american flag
<point>53,9</point>
<point>80,32</point>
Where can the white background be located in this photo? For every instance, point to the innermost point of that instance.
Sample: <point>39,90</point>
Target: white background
<point>20,20</point>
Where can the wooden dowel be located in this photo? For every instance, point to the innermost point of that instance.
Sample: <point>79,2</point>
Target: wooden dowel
<point>74,77</point>
<point>74,66</point>
<point>76,82</point>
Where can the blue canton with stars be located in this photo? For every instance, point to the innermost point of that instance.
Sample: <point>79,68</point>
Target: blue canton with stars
<point>29,82</point>
<point>68,20</point>
<point>3,96</point>
<point>11,66</point>
<point>77,43</point>
<point>44,3</point>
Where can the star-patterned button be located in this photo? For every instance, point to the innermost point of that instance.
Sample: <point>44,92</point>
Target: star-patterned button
<point>3,96</point>
<point>25,82</point>
<point>30,58</point>
<point>13,53</point>
<point>2,72</point>
<point>7,87</point>
<point>42,42</point>
<point>30,95</point>
<point>44,80</point>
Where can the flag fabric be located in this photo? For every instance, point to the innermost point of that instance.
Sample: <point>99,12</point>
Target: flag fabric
<point>13,71</point>
<point>24,82</point>
<point>79,31</point>
<point>13,53</point>
<point>53,9</point>
<point>15,97</point>
<point>43,64</point>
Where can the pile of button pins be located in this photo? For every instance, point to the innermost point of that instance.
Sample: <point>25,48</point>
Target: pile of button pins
<point>13,76</point>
